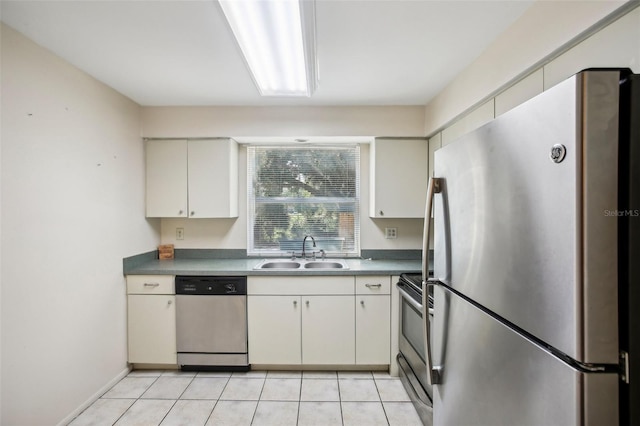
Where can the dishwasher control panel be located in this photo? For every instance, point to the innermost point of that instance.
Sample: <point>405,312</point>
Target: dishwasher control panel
<point>211,285</point>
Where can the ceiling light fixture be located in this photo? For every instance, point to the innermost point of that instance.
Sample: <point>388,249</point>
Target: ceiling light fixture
<point>277,39</point>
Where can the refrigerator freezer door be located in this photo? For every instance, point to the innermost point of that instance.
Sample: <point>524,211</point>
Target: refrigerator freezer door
<point>494,376</point>
<point>521,225</point>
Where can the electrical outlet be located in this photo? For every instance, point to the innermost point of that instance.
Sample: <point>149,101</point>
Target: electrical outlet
<point>179,233</point>
<point>391,233</point>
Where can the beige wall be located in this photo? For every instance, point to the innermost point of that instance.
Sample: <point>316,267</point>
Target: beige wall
<point>72,208</point>
<point>282,121</point>
<point>540,38</point>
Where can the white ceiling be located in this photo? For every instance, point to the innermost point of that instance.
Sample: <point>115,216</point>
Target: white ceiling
<point>181,52</point>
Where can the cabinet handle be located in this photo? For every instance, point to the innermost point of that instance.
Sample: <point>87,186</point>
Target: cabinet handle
<point>180,212</point>
<point>193,213</point>
<point>295,303</point>
<point>373,285</point>
<point>307,303</point>
<point>169,302</point>
<point>151,284</point>
<point>381,213</point>
<point>362,302</point>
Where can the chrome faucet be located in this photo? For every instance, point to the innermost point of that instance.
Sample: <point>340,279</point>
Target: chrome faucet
<point>304,241</point>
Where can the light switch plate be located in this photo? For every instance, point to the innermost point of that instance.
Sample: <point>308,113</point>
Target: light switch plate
<point>179,233</point>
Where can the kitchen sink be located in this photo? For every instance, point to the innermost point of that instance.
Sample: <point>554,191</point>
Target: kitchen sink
<point>324,265</point>
<point>300,264</point>
<point>280,264</point>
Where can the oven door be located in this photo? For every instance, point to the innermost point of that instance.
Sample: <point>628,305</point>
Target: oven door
<point>412,350</point>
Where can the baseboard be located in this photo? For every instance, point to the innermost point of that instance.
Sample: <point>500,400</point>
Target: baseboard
<point>319,367</point>
<point>75,413</point>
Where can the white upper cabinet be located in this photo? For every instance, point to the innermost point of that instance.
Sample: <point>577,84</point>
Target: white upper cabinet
<point>192,178</point>
<point>166,178</point>
<point>435,143</point>
<point>213,178</point>
<point>398,182</point>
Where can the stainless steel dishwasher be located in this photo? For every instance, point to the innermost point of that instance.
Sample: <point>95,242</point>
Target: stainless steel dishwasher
<point>211,323</point>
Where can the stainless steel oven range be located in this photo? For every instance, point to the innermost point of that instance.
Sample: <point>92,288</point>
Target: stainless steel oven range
<point>411,359</point>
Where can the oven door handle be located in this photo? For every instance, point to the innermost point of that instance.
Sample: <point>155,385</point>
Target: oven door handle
<point>410,300</point>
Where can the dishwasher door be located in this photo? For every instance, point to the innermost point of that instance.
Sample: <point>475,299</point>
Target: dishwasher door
<point>211,330</point>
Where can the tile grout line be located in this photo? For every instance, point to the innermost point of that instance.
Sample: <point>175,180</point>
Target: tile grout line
<point>255,411</point>
<point>178,399</point>
<point>299,401</point>
<point>175,400</point>
<point>340,398</point>
<point>136,399</point>
<point>375,382</point>
<point>215,404</point>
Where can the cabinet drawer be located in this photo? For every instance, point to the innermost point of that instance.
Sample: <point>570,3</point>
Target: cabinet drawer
<point>300,285</point>
<point>373,284</point>
<point>150,284</point>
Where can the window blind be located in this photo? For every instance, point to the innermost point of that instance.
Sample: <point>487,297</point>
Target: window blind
<point>299,191</point>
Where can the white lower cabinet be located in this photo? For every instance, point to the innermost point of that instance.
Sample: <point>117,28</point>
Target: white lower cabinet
<point>292,320</point>
<point>328,330</point>
<point>373,333</point>
<point>151,319</point>
<point>274,329</point>
<point>373,319</point>
<point>319,320</point>
<point>152,329</point>
<point>290,329</point>
<point>301,320</point>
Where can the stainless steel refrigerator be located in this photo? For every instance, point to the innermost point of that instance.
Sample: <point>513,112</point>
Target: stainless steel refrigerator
<point>536,278</point>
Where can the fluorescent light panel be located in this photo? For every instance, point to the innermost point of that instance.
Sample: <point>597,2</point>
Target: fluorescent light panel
<point>277,38</point>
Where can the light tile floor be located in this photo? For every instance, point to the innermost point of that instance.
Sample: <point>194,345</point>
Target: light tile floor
<point>254,398</point>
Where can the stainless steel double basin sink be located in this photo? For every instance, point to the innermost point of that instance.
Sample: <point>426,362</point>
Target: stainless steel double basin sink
<point>300,264</point>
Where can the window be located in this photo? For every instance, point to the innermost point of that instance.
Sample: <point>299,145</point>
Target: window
<point>299,191</point>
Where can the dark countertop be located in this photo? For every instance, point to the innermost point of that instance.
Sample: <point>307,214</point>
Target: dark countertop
<point>245,267</point>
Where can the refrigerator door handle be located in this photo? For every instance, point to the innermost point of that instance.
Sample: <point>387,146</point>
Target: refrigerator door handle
<point>433,188</point>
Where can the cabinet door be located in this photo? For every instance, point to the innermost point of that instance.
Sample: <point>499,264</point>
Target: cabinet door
<point>166,162</point>
<point>328,330</point>
<point>373,329</point>
<point>213,178</point>
<point>274,329</point>
<point>152,329</point>
<point>398,181</point>
<point>435,143</point>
